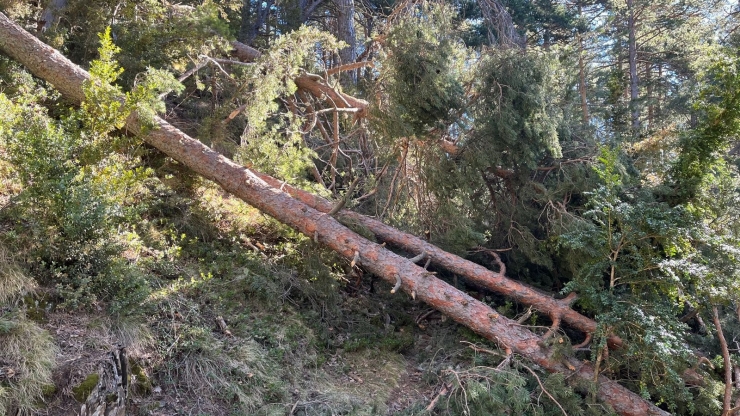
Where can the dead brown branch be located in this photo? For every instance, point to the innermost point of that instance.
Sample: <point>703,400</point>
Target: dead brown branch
<point>349,67</point>
<point>727,400</point>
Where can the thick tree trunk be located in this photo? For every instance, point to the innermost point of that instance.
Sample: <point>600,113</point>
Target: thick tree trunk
<point>346,33</point>
<point>246,30</point>
<point>557,309</point>
<point>346,30</point>
<point>50,65</point>
<point>649,94</point>
<point>582,84</point>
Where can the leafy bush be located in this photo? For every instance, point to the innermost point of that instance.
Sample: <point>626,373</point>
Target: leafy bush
<point>76,190</point>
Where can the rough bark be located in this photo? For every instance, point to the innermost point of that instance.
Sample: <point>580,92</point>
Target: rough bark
<point>736,409</point>
<point>245,53</point>
<point>50,65</point>
<point>346,30</point>
<point>246,31</point>
<point>649,93</point>
<point>108,398</point>
<point>253,15</point>
<point>557,309</point>
<point>582,84</point>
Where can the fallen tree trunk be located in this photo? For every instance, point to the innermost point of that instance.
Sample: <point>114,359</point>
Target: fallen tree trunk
<point>50,65</point>
<point>558,309</point>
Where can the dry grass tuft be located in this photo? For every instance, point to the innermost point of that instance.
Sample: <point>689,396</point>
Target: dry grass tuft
<point>13,282</point>
<point>28,352</point>
<point>235,374</point>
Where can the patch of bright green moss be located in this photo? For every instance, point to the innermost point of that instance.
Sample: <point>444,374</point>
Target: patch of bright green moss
<point>83,390</point>
<point>142,384</point>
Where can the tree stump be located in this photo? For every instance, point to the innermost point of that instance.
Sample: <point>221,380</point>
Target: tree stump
<point>108,398</point>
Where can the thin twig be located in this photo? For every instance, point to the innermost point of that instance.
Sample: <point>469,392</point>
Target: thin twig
<point>479,349</point>
<point>543,388</point>
<point>442,393</point>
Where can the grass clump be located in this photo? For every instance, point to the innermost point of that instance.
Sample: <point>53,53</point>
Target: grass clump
<point>13,281</point>
<point>29,353</point>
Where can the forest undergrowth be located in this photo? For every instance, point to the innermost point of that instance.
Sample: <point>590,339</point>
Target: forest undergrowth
<point>303,335</point>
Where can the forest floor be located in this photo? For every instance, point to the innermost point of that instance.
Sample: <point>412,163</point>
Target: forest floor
<point>304,333</point>
<point>363,381</point>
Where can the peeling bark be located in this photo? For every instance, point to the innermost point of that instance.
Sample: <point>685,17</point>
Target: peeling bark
<point>50,65</point>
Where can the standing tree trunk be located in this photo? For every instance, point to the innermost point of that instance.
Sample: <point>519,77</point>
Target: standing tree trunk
<point>649,93</point>
<point>582,75</point>
<point>51,13</point>
<point>254,16</point>
<point>246,30</point>
<point>582,83</point>
<point>50,65</point>
<point>346,33</point>
<point>634,82</point>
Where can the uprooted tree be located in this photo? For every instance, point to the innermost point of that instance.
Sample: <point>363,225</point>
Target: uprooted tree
<point>323,228</point>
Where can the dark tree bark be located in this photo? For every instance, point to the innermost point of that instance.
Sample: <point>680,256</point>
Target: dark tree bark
<point>254,17</point>
<point>582,76</point>
<point>48,64</point>
<point>246,29</point>
<point>108,398</point>
<point>346,30</point>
